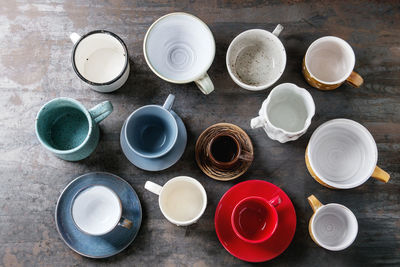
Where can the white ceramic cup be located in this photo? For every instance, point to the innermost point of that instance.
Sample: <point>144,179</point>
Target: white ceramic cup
<point>286,113</point>
<point>180,48</point>
<point>342,154</point>
<point>182,199</point>
<point>256,58</point>
<point>332,226</point>
<point>100,58</point>
<point>97,210</point>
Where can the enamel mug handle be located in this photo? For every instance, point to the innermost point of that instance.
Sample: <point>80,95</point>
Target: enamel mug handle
<point>125,223</point>
<point>257,122</point>
<point>205,84</point>
<point>381,175</point>
<point>355,79</point>
<point>74,37</point>
<point>101,111</point>
<point>169,102</point>
<point>278,29</point>
<point>153,187</point>
<point>314,203</point>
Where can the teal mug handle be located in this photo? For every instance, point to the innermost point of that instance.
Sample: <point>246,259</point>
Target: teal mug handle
<point>101,111</point>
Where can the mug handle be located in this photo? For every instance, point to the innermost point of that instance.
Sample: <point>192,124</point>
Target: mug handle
<point>355,79</point>
<point>275,201</point>
<point>257,122</point>
<point>125,223</point>
<point>314,203</point>
<point>74,37</point>
<point>205,84</point>
<point>169,102</point>
<point>153,187</point>
<point>381,175</point>
<point>278,29</point>
<point>101,111</point>
<point>246,156</point>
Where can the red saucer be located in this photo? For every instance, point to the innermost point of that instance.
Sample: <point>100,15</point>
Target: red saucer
<point>276,244</point>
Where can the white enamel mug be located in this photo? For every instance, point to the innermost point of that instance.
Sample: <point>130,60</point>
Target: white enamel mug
<point>182,199</point>
<point>332,226</point>
<point>100,58</point>
<point>256,58</point>
<point>180,48</point>
<point>286,113</point>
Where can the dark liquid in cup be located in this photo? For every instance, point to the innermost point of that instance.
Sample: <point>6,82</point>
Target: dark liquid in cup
<point>224,149</point>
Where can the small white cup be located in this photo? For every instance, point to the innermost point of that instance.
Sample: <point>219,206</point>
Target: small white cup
<point>180,48</point>
<point>332,226</point>
<point>100,58</point>
<point>256,58</point>
<point>97,210</point>
<point>182,199</point>
<point>286,113</point>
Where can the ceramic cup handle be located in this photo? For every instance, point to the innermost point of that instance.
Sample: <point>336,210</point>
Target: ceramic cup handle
<point>169,102</point>
<point>74,37</point>
<point>246,156</point>
<point>275,201</point>
<point>314,203</point>
<point>381,175</point>
<point>125,223</point>
<point>257,122</point>
<point>278,29</point>
<point>101,111</point>
<point>205,84</point>
<point>153,187</point>
<point>355,79</point>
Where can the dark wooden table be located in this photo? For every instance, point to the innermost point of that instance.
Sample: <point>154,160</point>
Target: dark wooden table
<point>35,67</point>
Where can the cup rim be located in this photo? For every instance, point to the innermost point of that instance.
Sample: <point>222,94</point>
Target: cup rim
<point>239,148</point>
<point>152,67</point>
<point>253,87</point>
<point>201,189</point>
<point>351,123</point>
<point>160,154</point>
<point>351,215</point>
<point>338,40</point>
<point>102,32</point>
<point>82,109</point>
<point>83,189</point>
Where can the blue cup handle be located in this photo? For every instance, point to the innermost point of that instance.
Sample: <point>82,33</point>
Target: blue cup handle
<point>169,102</point>
<point>101,111</point>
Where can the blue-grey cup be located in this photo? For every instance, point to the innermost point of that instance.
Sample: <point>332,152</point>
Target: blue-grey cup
<point>151,131</point>
<point>67,129</point>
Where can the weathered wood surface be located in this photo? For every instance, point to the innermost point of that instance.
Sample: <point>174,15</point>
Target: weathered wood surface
<point>35,67</point>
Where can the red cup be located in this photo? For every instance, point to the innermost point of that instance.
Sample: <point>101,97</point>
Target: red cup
<point>255,219</point>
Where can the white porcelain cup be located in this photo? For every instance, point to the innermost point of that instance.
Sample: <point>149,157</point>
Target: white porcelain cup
<point>182,199</point>
<point>100,58</point>
<point>286,113</point>
<point>180,48</point>
<point>342,154</point>
<point>332,226</point>
<point>256,58</point>
<point>97,210</point>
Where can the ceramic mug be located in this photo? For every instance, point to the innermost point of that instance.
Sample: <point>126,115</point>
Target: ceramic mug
<point>224,151</point>
<point>329,62</point>
<point>67,129</point>
<point>97,210</point>
<point>286,113</point>
<point>342,154</point>
<point>332,226</point>
<point>152,131</point>
<point>255,219</point>
<point>180,48</point>
<point>182,199</point>
<point>256,58</point>
<point>100,58</point>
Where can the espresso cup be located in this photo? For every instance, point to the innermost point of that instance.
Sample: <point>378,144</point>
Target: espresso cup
<point>151,131</point>
<point>256,58</point>
<point>255,219</point>
<point>97,210</point>
<point>68,130</point>
<point>342,154</point>
<point>225,150</point>
<point>180,48</point>
<point>100,59</point>
<point>286,113</point>
<point>329,62</point>
<point>332,226</point>
<point>182,199</point>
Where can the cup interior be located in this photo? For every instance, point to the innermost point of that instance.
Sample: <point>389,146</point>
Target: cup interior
<point>183,200</point>
<point>63,124</point>
<point>256,58</point>
<point>334,227</point>
<point>151,131</point>
<point>100,57</point>
<point>179,47</point>
<point>342,153</point>
<point>96,210</point>
<point>330,59</point>
<point>224,148</point>
<point>254,219</point>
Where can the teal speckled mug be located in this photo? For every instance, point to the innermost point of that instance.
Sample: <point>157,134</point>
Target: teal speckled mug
<point>67,129</point>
